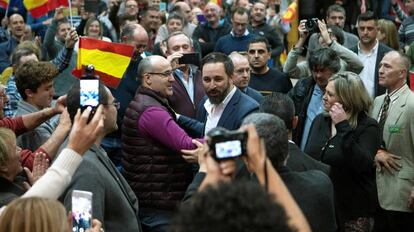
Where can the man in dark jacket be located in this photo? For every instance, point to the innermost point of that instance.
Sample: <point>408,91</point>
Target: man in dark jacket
<point>152,143</point>
<point>188,86</point>
<point>208,33</point>
<point>307,93</point>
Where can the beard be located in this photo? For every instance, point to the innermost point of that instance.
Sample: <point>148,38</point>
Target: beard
<point>218,95</point>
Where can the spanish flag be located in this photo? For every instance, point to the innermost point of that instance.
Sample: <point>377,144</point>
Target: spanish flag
<point>218,2</point>
<point>38,8</point>
<point>290,13</point>
<point>4,4</point>
<point>109,59</point>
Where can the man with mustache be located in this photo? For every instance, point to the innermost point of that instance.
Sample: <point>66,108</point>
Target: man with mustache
<point>370,51</point>
<point>225,105</point>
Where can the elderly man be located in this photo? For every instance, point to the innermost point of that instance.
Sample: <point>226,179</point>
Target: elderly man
<point>241,76</point>
<point>395,160</point>
<point>208,33</point>
<point>152,143</point>
<point>188,85</point>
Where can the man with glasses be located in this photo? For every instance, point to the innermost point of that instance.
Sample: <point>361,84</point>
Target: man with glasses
<point>241,75</point>
<point>152,143</point>
<point>113,203</point>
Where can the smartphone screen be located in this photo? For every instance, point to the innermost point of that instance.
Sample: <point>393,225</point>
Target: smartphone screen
<point>228,149</point>
<point>89,93</point>
<point>81,210</point>
<point>163,6</point>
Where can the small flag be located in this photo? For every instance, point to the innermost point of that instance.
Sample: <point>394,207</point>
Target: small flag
<point>109,59</point>
<point>290,12</point>
<point>38,8</point>
<point>4,4</point>
<point>218,2</point>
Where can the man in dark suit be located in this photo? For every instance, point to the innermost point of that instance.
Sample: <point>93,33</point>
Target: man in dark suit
<point>241,76</point>
<point>225,105</point>
<point>97,174</point>
<point>188,87</point>
<point>370,51</point>
<point>318,203</point>
<point>281,105</point>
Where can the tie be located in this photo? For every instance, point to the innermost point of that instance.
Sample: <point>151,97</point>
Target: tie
<point>384,112</point>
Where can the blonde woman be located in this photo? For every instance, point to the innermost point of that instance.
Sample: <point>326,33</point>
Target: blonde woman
<point>387,34</point>
<point>347,139</point>
<point>38,215</point>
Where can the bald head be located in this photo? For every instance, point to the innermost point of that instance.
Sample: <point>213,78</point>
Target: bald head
<point>235,56</point>
<point>17,26</point>
<point>135,35</point>
<point>149,64</point>
<point>241,75</point>
<point>185,10</point>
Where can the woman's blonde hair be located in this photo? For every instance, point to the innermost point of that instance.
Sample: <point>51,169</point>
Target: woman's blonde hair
<point>352,94</point>
<point>389,29</point>
<point>7,139</point>
<point>34,215</point>
<point>89,22</point>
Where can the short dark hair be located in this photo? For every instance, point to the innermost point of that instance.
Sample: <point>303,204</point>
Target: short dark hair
<point>217,57</point>
<point>73,98</point>
<point>335,8</point>
<point>369,15</point>
<point>281,105</point>
<point>231,206</point>
<point>324,57</point>
<point>273,131</point>
<point>240,11</point>
<point>33,74</point>
<point>62,21</point>
<point>260,39</point>
<point>176,15</point>
<point>124,18</point>
<point>145,10</point>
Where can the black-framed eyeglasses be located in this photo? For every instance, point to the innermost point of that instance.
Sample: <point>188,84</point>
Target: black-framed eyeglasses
<point>164,74</point>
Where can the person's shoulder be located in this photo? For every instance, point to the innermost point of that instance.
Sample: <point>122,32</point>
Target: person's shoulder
<point>384,47</point>
<point>315,178</point>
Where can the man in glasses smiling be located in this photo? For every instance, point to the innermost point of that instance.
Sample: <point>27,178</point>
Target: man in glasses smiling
<point>152,143</point>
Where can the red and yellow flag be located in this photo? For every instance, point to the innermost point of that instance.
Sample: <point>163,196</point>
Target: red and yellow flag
<point>4,3</point>
<point>218,2</point>
<point>109,59</point>
<point>290,13</point>
<point>38,8</point>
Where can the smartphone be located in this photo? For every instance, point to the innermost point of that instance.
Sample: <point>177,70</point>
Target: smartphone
<point>190,58</point>
<point>81,210</point>
<point>201,18</point>
<point>163,6</point>
<point>228,145</point>
<point>89,93</point>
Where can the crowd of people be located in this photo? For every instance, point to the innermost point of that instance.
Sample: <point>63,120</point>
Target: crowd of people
<point>324,140</point>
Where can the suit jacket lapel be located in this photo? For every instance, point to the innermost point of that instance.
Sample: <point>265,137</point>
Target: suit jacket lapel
<point>230,108</point>
<point>395,112</point>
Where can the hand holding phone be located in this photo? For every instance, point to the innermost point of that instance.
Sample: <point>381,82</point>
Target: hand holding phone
<point>190,58</point>
<point>81,210</point>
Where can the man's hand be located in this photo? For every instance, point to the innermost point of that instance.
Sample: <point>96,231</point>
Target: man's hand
<point>40,165</point>
<point>96,226</point>
<point>64,121</point>
<point>256,151</point>
<point>47,22</point>
<point>71,38</point>
<point>411,199</point>
<point>173,59</point>
<point>324,32</point>
<point>193,156</point>
<point>58,14</point>
<point>60,105</point>
<point>337,113</point>
<point>84,134</point>
<point>384,159</point>
<point>303,33</point>
<point>218,171</point>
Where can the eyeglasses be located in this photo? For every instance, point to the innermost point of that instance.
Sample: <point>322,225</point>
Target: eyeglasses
<point>131,6</point>
<point>164,74</point>
<point>115,103</point>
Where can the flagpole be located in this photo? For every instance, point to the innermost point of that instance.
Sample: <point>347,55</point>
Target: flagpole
<point>70,13</point>
<point>7,8</point>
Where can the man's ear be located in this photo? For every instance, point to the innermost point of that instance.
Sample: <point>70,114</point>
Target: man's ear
<point>147,79</point>
<point>28,92</point>
<point>295,120</point>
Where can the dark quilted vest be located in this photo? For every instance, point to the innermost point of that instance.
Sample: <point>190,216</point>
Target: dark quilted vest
<point>158,176</point>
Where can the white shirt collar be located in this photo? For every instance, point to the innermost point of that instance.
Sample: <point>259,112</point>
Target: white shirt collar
<point>209,106</point>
